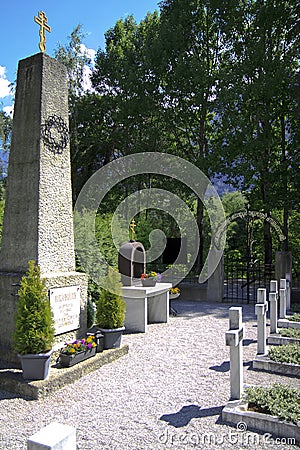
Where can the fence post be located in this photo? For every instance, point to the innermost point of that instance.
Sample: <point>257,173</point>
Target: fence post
<point>234,339</point>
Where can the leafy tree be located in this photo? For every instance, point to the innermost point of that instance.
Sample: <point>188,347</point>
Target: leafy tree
<point>5,137</point>
<point>258,134</point>
<point>192,48</point>
<point>76,59</point>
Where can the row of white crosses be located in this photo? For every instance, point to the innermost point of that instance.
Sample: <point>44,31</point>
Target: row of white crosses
<point>284,302</point>
<point>234,336</point>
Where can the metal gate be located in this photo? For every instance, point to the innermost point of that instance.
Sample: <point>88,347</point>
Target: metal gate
<point>242,278</point>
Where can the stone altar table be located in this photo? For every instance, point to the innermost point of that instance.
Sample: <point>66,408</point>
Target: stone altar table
<point>146,305</point>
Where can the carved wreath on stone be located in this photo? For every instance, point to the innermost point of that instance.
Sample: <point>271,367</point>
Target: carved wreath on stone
<point>55,134</point>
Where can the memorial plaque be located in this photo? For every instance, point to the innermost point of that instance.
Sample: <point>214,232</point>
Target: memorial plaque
<point>65,304</point>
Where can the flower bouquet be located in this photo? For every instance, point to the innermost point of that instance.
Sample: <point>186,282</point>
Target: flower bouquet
<point>77,351</point>
<point>174,292</point>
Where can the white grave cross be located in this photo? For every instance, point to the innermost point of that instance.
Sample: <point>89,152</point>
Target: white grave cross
<point>234,339</point>
<point>288,291</point>
<point>282,299</point>
<point>261,309</point>
<point>273,298</point>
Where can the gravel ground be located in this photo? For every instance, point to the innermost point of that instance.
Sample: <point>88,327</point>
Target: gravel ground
<point>167,393</point>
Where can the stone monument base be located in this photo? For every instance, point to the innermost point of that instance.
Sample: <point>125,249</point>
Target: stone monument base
<point>9,286</point>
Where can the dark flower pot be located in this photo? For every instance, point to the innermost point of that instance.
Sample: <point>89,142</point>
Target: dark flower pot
<point>71,360</point>
<point>35,367</point>
<point>148,282</point>
<point>112,337</point>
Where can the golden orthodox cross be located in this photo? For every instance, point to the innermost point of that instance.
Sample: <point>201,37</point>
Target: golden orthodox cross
<point>42,20</point>
<point>132,227</point>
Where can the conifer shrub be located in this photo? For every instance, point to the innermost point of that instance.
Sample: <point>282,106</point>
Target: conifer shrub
<point>34,332</point>
<point>111,307</point>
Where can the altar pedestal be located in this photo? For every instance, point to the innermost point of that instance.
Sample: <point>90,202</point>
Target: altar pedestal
<point>146,305</point>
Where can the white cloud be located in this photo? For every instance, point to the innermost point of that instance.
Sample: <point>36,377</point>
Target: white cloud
<point>9,110</point>
<point>91,53</point>
<point>4,83</point>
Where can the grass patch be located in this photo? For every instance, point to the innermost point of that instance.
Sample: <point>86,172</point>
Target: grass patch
<point>285,353</point>
<point>278,400</point>
<point>290,332</point>
<point>294,318</point>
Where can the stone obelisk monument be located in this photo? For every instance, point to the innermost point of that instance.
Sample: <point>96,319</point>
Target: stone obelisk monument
<point>38,219</point>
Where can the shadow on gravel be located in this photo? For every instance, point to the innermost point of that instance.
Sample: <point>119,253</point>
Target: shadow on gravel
<point>192,309</point>
<point>247,342</point>
<point>225,366</point>
<point>187,413</point>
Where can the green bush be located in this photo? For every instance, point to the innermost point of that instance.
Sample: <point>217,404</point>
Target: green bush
<point>290,332</point>
<point>34,331</point>
<point>295,317</point>
<point>285,353</point>
<point>111,306</point>
<point>278,400</point>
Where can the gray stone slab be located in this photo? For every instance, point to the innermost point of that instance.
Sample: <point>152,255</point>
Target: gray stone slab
<point>235,412</point>
<point>146,305</point>
<point>286,323</point>
<point>277,339</point>
<point>263,362</point>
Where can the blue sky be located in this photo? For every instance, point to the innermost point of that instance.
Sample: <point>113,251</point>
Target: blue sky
<point>20,34</point>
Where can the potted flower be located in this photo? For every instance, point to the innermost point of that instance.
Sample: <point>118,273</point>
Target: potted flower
<point>111,310</point>
<point>174,292</point>
<point>150,279</point>
<point>77,351</point>
<point>34,331</point>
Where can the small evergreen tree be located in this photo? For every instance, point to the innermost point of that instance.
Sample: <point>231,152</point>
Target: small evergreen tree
<point>111,307</point>
<point>34,321</point>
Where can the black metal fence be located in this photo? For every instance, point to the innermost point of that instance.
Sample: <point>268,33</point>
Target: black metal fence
<point>242,278</point>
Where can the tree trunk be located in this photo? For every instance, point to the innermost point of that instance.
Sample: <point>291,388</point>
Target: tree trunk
<point>285,186</point>
<point>267,226</point>
<point>268,243</point>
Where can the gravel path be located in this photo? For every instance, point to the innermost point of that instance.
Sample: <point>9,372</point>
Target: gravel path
<point>167,393</point>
